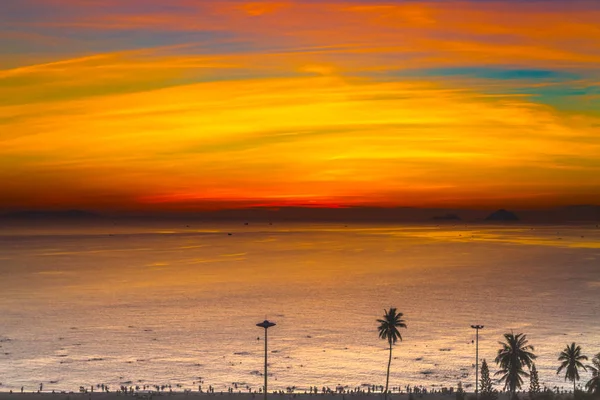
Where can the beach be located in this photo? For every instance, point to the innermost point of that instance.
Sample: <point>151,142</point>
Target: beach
<point>244,396</point>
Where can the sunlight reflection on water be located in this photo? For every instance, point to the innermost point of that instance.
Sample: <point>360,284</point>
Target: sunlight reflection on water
<point>81,307</point>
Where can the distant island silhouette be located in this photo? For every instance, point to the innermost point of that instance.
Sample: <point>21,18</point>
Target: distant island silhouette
<point>502,215</point>
<point>447,217</point>
<point>343,215</point>
<point>58,214</point>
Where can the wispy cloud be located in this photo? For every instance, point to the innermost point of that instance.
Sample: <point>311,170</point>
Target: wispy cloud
<point>155,104</point>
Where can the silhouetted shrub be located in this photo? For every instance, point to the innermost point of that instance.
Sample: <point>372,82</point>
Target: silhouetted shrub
<point>460,393</point>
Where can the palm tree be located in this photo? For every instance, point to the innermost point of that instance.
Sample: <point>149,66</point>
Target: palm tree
<point>571,358</point>
<point>388,329</point>
<point>593,385</point>
<point>512,357</point>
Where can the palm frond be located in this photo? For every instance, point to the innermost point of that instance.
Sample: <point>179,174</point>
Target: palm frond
<point>571,358</point>
<point>388,326</point>
<point>515,353</point>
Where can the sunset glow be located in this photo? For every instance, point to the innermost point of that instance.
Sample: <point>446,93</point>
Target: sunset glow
<point>156,105</point>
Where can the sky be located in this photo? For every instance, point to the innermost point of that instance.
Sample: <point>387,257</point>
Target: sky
<point>210,104</point>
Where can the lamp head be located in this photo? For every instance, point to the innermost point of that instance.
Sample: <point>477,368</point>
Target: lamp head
<point>266,324</point>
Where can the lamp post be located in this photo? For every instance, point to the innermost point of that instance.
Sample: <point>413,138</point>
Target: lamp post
<point>477,328</point>
<point>265,324</point>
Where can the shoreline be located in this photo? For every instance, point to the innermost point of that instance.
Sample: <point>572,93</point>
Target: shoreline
<point>251,396</point>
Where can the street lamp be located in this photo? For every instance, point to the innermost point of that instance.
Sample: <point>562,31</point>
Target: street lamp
<point>477,328</point>
<point>266,324</point>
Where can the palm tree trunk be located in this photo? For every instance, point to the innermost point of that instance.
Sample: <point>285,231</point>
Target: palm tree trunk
<point>573,388</point>
<point>387,379</point>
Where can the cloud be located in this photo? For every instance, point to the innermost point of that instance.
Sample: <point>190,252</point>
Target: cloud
<point>303,137</point>
<point>147,104</point>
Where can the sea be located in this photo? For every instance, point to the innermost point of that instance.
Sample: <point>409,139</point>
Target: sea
<point>175,303</point>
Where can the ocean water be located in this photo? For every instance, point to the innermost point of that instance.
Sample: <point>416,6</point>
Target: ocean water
<point>172,304</point>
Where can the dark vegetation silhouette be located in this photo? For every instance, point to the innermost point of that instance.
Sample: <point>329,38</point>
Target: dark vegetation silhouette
<point>487,391</point>
<point>534,382</point>
<point>460,392</point>
<point>388,330</point>
<point>593,385</point>
<point>571,358</point>
<point>515,353</point>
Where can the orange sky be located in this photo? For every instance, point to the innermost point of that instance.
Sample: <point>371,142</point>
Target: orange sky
<point>156,105</point>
